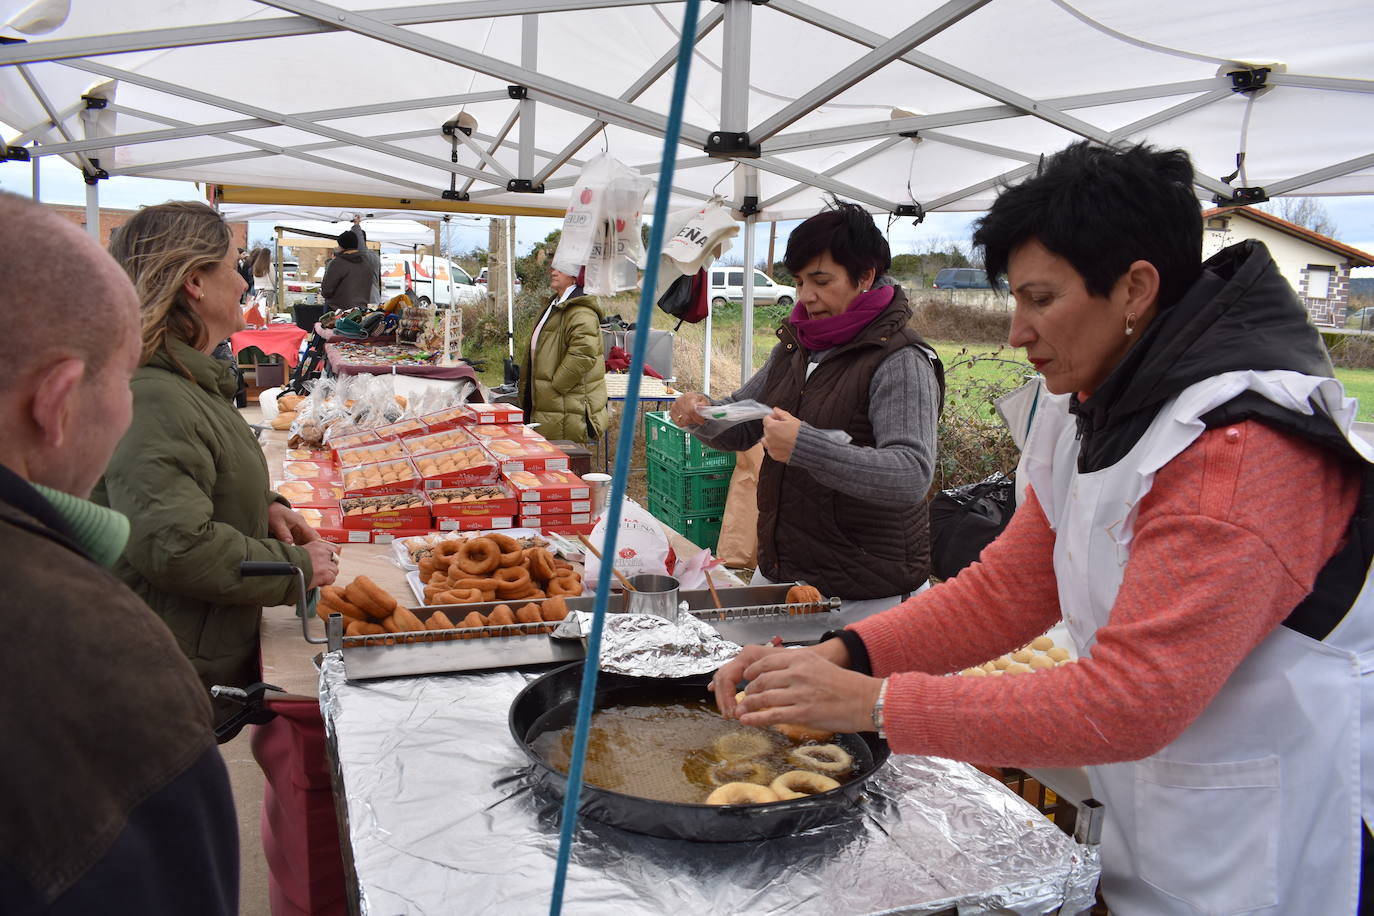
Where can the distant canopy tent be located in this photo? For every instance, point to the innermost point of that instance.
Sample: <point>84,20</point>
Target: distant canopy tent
<point>905,106</point>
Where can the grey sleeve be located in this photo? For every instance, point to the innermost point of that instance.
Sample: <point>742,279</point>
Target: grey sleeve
<point>904,402</point>
<point>739,436</point>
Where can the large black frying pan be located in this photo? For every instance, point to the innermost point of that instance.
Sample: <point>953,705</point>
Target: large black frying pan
<point>550,703</point>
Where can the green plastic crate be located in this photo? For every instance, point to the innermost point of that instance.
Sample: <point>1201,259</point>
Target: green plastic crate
<point>702,530</point>
<point>674,447</point>
<point>691,492</point>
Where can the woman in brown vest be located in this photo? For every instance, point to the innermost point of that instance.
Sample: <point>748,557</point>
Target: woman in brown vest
<point>848,518</point>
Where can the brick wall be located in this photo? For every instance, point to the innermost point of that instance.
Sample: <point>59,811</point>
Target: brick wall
<point>111,219</point>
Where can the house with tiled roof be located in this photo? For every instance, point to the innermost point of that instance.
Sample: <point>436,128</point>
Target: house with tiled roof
<point>1317,266</point>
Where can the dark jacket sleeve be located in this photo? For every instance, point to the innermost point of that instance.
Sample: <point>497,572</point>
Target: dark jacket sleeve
<point>333,273</point>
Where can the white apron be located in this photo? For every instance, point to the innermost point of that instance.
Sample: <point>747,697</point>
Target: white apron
<point>1256,807</point>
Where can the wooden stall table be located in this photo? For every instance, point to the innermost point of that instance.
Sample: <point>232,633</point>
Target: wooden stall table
<point>362,358</point>
<point>653,395</point>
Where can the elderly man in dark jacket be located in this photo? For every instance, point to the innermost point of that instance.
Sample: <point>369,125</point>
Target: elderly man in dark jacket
<point>116,799</point>
<point>347,280</point>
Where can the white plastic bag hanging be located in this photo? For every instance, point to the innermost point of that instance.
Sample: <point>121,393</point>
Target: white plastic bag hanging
<point>601,227</point>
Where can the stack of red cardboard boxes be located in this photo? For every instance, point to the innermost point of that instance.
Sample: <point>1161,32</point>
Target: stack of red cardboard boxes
<point>468,468</point>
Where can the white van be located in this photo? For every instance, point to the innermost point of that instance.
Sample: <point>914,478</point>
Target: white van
<point>727,283</point>
<point>455,285</point>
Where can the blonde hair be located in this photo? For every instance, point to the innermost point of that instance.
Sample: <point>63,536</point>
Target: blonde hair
<point>159,249</point>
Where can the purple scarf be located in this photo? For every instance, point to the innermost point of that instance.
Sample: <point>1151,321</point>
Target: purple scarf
<point>824,333</point>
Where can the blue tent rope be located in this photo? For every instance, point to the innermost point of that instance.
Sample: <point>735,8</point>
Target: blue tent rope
<point>624,447</point>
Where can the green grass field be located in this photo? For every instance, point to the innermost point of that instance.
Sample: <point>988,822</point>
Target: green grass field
<point>1359,384</point>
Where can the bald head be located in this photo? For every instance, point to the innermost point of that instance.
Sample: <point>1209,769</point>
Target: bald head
<point>63,294</point>
<point>71,345</point>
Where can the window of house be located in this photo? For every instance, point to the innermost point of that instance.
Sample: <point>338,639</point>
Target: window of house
<point>1318,281</point>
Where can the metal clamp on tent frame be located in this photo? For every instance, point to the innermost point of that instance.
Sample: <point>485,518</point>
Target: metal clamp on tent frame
<point>14,154</point>
<point>913,210</point>
<point>450,129</point>
<point>524,186</point>
<point>1251,80</point>
<point>749,207</point>
<point>95,102</point>
<point>727,144</point>
<point>518,92</point>
<point>93,176</point>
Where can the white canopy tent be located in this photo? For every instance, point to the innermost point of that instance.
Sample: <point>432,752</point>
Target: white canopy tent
<point>492,106</point>
<point>395,233</point>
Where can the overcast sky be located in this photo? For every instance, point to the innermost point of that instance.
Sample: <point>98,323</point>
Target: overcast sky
<point>61,183</point>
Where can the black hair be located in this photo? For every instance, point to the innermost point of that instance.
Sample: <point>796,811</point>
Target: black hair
<point>848,232</point>
<point>1101,209</point>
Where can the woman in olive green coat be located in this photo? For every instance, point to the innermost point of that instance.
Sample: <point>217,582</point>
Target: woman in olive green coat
<point>563,384</point>
<point>189,473</point>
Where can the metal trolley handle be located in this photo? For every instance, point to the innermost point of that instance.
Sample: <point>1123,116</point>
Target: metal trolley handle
<point>266,568</point>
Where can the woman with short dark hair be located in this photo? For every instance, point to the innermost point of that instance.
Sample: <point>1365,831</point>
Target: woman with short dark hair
<point>848,518</point>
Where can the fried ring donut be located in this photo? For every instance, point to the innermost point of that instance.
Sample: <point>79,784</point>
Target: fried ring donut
<point>446,551</point>
<point>801,783</point>
<point>332,599</point>
<point>371,597</point>
<point>512,581</point>
<point>741,793</point>
<point>555,608</point>
<point>803,733</point>
<point>741,745</point>
<point>807,595</point>
<point>406,620</point>
<point>426,568</point>
<point>564,585</point>
<point>500,616</point>
<point>440,577</point>
<point>511,551</point>
<point>481,583</point>
<point>363,628</point>
<point>478,556</point>
<point>728,771</point>
<point>541,564</point>
<point>822,758</point>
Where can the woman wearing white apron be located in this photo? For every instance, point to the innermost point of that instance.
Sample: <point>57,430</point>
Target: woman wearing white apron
<point>1192,516</point>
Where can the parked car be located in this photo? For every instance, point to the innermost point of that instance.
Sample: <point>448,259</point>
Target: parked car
<point>455,285</point>
<point>1361,319</point>
<point>481,280</point>
<point>964,278</point>
<point>727,284</point>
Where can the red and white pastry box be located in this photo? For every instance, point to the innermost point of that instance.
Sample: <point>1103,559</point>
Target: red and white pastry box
<point>442,420</point>
<point>474,522</point>
<point>459,467</point>
<point>370,453</point>
<point>547,486</point>
<point>558,524</point>
<point>328,523</point>
<point>486,500</point>
<point>348,440</point>
<point>557,507</point>
<point>442,441</point>
<point>401,429</point>
<point>309,454</point>
<point>526,455</point>
<point>382,479</point>
<point>322,471</point>
<point>504,431</point>
<point>402,510</point>
<point>494,413</point>
<point>386,537</point>
<point>313,494</point>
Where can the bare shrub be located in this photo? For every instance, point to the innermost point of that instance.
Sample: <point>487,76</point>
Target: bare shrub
<point>935,319</point>
<point>973,441</point>
<point>1352,351</point>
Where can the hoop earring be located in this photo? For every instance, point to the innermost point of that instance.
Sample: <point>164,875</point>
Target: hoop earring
<point>1130,324</point>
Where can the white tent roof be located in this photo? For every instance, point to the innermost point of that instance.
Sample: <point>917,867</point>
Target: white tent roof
<point>393,232</point>
<point>350,99</point>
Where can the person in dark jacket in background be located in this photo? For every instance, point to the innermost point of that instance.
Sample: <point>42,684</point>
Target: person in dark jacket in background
<point>347,280</point>
<point>116,799</point>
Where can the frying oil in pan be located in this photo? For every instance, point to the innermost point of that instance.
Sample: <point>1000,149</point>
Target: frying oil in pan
<point>673,751</point>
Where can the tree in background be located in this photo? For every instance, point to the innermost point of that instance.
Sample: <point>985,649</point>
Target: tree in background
<point>1308,212</point>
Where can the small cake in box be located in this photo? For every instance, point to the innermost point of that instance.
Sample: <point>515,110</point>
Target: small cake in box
<point>491,499</point>
<point>442,420</point>
<point>526,455</point>
<point>504,431</point>
<point>348,440</point>
<point>310,493</point>
<point>370,453</point>
<point>308,454</point>
<point>557,507</point>
<point>323,471</point>
<point>382,479</point>
<point>538,486</point>
<point>474,522</point>
<point>402,429</point>
<point>494,413</point>
<point>462,467</point>
<point>328,523</point>
<point>438,442</point>
<point>397,510</point>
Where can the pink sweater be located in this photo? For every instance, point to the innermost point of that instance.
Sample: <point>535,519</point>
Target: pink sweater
<point>1228,541</point>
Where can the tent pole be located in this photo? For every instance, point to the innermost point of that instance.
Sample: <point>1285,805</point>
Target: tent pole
<point>36,194</point>
<point>510,285</point>
<point>746,346</point>
<point>434,268</point>
<point>706,369</point>
<point>93,210</point>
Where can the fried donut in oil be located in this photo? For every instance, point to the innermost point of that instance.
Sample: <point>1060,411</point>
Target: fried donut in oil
<point>801,783</point>
<point>822,758</point>
<point>742,745</point>
<point>741,793</point>
<point>478,556</point>
<point>728,771</point>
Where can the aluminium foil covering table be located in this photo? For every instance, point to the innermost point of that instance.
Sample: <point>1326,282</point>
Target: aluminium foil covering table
<point>444,816</point>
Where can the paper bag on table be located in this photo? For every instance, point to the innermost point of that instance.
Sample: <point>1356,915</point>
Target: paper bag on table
<point>641,545</point>
<point>739,527</point>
